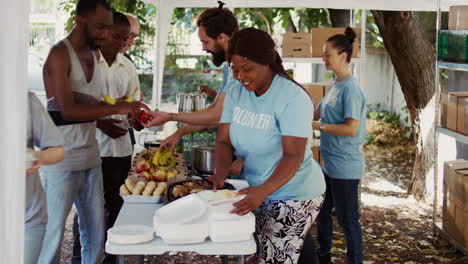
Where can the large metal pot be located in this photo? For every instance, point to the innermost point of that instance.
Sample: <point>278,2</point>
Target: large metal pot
<point>203,159</point>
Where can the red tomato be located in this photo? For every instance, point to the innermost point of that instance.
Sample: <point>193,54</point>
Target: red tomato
<point>144,118</point>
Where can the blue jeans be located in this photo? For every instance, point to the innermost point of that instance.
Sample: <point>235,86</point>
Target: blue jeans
<point>33,236</point>
<point>343,195</point>
<point>84,189</point>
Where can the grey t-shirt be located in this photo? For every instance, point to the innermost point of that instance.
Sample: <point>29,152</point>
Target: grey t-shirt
<point>42,133</point>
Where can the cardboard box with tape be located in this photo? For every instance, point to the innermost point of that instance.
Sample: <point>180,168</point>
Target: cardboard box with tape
<point>298,45</point>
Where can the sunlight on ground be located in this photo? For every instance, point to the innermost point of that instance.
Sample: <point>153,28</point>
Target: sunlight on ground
<point>407,204</point>
<point>384,185</point>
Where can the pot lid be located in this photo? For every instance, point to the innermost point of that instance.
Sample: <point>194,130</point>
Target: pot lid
<point>205,147</point>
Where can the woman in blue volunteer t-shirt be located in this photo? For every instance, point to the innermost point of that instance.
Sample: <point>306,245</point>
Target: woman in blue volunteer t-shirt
<point>267,118</point>
<point>343,131</point>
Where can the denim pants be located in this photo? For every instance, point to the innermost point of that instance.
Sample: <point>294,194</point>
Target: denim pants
<point>84,189</point>
<point>114,171</point>
<point>33,236</point>
<point>343,195</point>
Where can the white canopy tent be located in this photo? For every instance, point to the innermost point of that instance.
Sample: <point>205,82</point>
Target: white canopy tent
<point>14,24</point>
<point>165,10</point>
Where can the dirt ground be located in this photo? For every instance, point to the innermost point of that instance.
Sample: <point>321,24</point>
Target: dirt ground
<point>396,228</point>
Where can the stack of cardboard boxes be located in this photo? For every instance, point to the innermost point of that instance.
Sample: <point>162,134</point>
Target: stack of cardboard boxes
<point>305,45</point>
<point>455,202</point>
<point>316,92</point>
<point>454,111</point>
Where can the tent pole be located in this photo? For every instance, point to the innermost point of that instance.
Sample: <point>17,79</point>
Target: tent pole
<point>13,109</point>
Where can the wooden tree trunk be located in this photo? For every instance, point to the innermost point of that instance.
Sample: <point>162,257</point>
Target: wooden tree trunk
<point>413,58</point>
<point>339,17</point>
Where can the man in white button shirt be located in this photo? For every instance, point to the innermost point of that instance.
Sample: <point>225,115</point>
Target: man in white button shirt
<point>121,79</point>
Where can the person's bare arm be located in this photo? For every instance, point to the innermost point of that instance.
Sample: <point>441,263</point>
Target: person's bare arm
<point>223,156</point>
<point>348,129</point>
<point>57,84</point>
<point>293,155</point>
<point>208,116</point>
<point>317,113</point>
<point>47,156</point>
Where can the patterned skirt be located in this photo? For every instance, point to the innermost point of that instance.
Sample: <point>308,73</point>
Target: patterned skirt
<point>281,227</point>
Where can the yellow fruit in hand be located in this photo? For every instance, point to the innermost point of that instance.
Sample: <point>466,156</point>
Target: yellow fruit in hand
<point>109,100</point>
<point>131,97</point>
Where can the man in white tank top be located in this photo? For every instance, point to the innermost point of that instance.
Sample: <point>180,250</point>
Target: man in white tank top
<point>73,89</point>
<point>120,80</point>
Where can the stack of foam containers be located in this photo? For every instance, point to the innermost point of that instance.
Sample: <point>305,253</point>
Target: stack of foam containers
<point>193,218</point>
<point>227,227</point>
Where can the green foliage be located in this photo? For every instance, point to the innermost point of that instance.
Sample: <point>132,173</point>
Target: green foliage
<point>145,13</point>
<point>182,80</point>
<point>370,138</point>
<point>371,29</point>
<point>303,18</point>
<point>375,112</point>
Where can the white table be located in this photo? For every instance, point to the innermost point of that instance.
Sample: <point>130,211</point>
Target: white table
<point>142,214</point>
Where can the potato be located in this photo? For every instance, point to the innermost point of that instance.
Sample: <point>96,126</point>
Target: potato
<point>130,184</point>
<point>150,186</point>
<point>160,189</point>
<point>138,188</point>
<point>124,191</point>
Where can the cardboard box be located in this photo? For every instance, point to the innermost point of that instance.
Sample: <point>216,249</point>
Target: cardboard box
<point>462,115</point>
<point>448,217</point>
<point>444,99</point>
<point>451,201</point>
<point>458,18</point>
<point>316,91</point>
<point>460,226</point>
<point>297,45</point>
<point>455,179</point>
<point>321,35</point>
<point>449,109</point>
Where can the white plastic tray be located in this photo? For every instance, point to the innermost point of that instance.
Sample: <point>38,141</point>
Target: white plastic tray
<point>130,234</point>
<point>141,199</point>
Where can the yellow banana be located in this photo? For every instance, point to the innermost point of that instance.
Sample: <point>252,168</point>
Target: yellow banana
<point>131,98</point>
<point>109,100</point>
<point>171,164</point>
<point>164,160</point>
<point>155,159</point>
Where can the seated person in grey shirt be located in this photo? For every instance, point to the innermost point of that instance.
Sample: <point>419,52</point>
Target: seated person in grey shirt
<point>43,134</point>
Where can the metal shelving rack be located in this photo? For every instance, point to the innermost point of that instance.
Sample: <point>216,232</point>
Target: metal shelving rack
<point>437,224</point>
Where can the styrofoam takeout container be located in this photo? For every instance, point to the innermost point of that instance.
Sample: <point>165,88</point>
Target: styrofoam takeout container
<point>130,234</point>
<point>240,228</point>
<point>192,232</point>
<point>182,210</point>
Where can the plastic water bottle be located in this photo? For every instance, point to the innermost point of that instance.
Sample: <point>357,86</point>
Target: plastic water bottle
<point>196,139</point>
<point>187,143</point>
<point>206,138</point>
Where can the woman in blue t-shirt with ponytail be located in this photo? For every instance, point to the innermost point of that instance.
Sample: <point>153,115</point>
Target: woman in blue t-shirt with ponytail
<point>267,119</point>
<point>343,131</point>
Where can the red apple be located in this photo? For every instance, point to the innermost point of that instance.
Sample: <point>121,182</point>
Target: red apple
<point>160,176</point>
<point>147,175</point>
<point>141,166</point>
